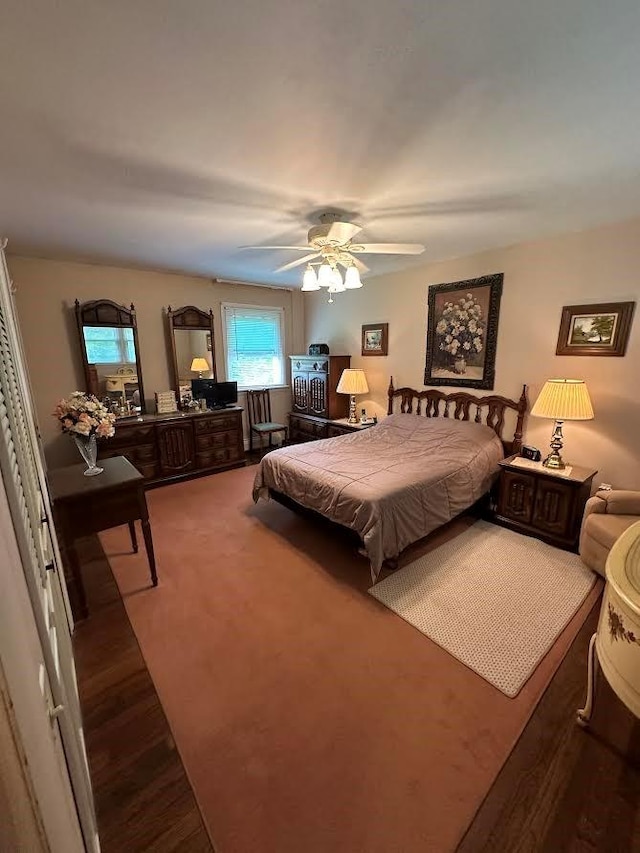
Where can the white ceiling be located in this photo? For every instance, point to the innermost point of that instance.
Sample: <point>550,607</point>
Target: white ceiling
<point>166,134</point>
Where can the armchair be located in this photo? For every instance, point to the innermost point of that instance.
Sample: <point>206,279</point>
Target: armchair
<point>606,516</point>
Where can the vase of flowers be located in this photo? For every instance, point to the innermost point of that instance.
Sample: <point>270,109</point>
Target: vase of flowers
<point>460,331</point>
<point>85,418</point>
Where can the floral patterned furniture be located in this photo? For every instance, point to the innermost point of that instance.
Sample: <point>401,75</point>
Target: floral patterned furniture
<point>606,517</point>
<point>616,644</point>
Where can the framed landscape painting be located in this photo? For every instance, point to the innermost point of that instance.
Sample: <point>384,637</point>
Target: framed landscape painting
<point>375,339</point>
<point>462,330</point>
<point>595,329</point>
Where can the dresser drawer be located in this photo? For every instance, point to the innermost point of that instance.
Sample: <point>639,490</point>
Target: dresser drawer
<point>309,429</point>
<point>216,457</point>
<point>212,440</point>
<point>127,436</point>
<point>219,423</point>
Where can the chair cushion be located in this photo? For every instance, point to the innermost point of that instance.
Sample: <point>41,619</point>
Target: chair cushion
<point>267,427</point>
<point>605,528</point>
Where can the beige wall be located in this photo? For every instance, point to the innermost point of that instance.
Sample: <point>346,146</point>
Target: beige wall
<point>601,265</point>
<point>46,290</point>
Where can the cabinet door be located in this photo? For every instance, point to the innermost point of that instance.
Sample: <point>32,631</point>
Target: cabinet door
<point>516,496</point>
<point>552,507</point>
<point>318,394</point>
<point>300,401</point>
<point>175,447</point>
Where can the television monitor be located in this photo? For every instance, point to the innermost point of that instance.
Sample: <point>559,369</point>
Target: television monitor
<point>217,394</point>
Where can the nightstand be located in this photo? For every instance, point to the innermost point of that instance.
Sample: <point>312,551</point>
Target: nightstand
<point>341,426</point>
<point>541,502</point>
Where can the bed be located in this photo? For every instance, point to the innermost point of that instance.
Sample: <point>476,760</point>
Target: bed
<point>396,482</point>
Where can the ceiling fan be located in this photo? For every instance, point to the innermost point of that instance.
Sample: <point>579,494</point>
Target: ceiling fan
<point>333,243</point>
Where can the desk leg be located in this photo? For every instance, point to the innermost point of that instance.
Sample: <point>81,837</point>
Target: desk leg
<point>146,532</point>
<point>74,565</point>
<point>134,538</point>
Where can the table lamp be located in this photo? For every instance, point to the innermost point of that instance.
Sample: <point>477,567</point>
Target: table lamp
<point>352,382</point>
<point>562,400</point>
<point>200,366</point>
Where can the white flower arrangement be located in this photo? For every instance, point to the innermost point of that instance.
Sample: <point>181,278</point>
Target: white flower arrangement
<point>84,415</point>
<point>461,328</point>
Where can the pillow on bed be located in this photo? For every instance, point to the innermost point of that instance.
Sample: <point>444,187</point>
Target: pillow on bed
<point>480,432</point>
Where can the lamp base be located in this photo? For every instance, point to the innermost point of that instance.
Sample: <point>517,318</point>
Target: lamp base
<point>352,410</point>
<point>554,460</point>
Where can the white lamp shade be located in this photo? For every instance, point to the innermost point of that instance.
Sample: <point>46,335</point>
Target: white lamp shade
<point>310,280</point>
<point>200,365</point>
<point>564,400</point>
<point>352,278</point>
<point>353,381</point>
<point>325,275</point>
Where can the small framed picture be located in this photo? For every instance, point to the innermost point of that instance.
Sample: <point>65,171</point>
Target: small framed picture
<point>595,329</point>
<point>375,339</point>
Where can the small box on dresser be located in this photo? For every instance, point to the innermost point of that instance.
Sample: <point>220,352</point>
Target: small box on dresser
<point>543,503</point>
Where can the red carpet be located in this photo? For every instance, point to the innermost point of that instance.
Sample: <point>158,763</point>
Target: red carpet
<point>309,717</point>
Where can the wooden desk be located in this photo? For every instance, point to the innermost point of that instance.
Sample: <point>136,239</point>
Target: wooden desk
<point>85,505</point>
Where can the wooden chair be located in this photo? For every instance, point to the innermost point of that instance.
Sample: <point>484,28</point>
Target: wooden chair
<point>260,423</point>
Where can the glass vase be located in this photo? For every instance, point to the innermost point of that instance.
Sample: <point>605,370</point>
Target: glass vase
<point>459,365</point>
<point>88,447</point>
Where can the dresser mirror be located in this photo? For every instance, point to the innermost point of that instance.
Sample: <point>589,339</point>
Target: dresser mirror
<point>111,355</point>
<point>192,348</point>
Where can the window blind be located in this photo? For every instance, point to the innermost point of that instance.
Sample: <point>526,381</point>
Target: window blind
<point>254,345</point>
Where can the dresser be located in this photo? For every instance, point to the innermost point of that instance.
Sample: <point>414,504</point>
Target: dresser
<point>315,401</point>
<point>314,379</point>
<point>165,448</point>
<point>616,643</point>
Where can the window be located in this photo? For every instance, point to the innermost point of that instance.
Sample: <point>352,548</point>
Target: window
<point>109,345</point>
<point>253,339</point>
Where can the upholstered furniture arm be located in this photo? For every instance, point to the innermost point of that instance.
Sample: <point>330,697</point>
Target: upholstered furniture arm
<point>614,502</point>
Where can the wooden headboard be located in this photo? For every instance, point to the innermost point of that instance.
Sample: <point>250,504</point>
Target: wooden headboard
<point>459,405</point>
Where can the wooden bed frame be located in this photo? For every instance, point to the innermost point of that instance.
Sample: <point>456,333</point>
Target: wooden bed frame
<point>459,405</point>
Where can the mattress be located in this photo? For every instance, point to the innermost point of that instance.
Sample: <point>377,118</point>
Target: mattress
<point>392,483</point>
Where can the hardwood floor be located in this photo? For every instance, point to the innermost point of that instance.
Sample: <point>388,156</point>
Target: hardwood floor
<point>565,788</point>
<point>562,789</point>
<point>144,801</point>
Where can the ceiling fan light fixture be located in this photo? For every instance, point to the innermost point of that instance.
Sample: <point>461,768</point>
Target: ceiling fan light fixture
<point>310,280</point>
<point>325,274</point>
<point>337,281</point>
<point>352,278</point>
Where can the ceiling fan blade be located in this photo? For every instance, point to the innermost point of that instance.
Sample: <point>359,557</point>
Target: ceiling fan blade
<point>361,267</point>
<point>388,248</point>
<point>298,262</point>
<point>342,232</point>
<point>296,248</point>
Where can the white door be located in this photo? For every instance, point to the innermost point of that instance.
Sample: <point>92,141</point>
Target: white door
<point>22,469</point>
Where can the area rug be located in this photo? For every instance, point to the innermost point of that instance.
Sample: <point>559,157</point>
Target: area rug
<point>308,716</point>
<point>493,599</point>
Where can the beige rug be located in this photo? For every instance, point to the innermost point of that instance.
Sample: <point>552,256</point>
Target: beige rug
<point>493,599</point>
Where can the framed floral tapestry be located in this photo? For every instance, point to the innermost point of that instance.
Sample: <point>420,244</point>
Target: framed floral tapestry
<point>462,330</point>
<point>595,329</point>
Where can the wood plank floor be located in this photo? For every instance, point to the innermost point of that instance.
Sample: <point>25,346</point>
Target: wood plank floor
<point>562,789</point>
<point>144,801</point>
<point>565,788</point>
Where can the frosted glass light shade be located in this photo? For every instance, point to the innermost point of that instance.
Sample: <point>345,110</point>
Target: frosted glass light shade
<point>352,278</point>
<point>310,280</point>
<point>564,400</point>
<point>353,381</point>
<point>200,365</point>
<point>325,275</point>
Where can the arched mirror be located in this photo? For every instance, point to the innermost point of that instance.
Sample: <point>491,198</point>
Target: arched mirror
<point>111,355</point>
<point>192,347</point>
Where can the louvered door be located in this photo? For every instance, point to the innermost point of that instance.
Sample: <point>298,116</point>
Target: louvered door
<point>23,476</point>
